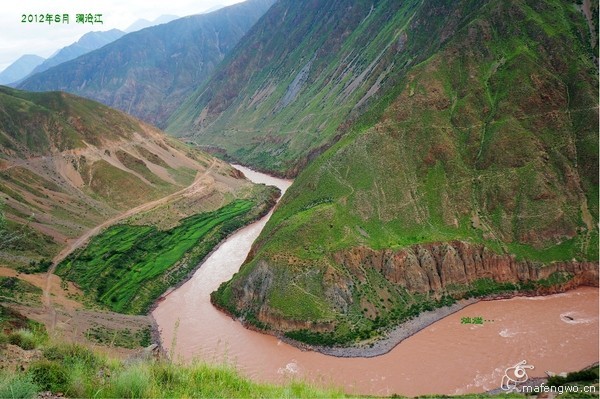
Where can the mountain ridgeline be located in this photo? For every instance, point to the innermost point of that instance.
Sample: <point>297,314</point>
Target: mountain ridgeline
<point>88,42</point>
<point>305,72</point>
<point>464,158</point>
<point>149,73</point>
<point>20,68</point>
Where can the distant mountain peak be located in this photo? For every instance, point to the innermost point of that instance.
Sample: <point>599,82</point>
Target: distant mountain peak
<point>213,8</point>
<point>86,43</point>
<point>143,23</point>
<point>20,68</point>
<point>138,73</point>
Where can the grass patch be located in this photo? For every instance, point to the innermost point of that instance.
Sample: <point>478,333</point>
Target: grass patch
<point>77,371</point>
<point>17,386</point>
<point>24,339</point>
<point>13,289</point>
<point>17,330</point>
<point>123,338</point>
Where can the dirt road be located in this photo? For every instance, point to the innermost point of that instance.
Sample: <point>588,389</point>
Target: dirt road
<point>84,238</point>
<point>72,246</point>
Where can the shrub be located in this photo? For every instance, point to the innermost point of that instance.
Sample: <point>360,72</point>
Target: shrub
<point>3,339</point>
<point>54,353</point>
<point>50,376</point>
<point>23,338</point>
<point>16,387</point>
<point>133,382</point>
<point>71,353</point>
<point>41,266</point>
<point>587,375</point>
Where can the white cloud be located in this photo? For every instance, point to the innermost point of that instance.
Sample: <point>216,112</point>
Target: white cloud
<point>43,39</point>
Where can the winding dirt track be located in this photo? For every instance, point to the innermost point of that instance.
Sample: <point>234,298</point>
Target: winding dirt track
<point>84,238</point>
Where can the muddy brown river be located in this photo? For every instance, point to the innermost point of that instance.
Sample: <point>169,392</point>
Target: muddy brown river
<point>553,333</point>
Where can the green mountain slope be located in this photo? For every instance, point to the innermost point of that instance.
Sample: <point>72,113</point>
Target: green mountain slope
<point>149,73</point>
<point>303,71</point>
<point>68,164</point>
<point>477,173</point>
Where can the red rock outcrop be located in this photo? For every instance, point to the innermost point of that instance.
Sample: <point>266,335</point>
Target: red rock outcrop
<point>433,267</point>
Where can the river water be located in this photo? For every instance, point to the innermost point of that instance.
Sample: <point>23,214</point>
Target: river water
<point>553,333</point>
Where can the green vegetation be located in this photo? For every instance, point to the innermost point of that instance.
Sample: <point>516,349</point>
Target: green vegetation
<point>126,268</point>
<point>51,194</point>
<point>95,122</point>
<point>17,330</point>
<point>123,338</point>
<point>13,289</point>
<point>11,320</point>
<point>589,375</point>
<point>489,139</point>
<point>17,386</point>
<point>161,379</point>
<point>104,178</point>
<point>367,323</point>
<point>76,371</point>
<point>40,266</point>
<point>21,239</point>
<point>584,378</point>
<point>6,236</point>
<point>273,108</point>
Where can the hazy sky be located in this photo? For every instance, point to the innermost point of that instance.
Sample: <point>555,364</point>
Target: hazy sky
<point>43,39</point>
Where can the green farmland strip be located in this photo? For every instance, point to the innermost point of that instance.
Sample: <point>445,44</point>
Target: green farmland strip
<point>127,267</point>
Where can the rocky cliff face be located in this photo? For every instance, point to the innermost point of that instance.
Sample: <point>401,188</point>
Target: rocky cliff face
<point>440,267</point>
<point>432,271</point>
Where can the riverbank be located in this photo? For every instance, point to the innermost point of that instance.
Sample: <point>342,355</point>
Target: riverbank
<point>48,366</point>
<point>386,343</point>
<point>155,331</point>
<point>270,205</point>
<point>35,364</point>
<point>395,336</point>
<point>381,346</point>
<point>235,254</point>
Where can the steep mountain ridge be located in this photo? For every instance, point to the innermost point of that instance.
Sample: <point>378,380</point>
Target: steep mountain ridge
<point>296,81</point>
<point>149,73</point>
<point>475,174</point>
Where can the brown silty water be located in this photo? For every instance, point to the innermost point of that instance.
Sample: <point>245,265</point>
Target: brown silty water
<point>554,333</point>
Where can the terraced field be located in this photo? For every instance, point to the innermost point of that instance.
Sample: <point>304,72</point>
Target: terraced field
<point>126,268</point>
